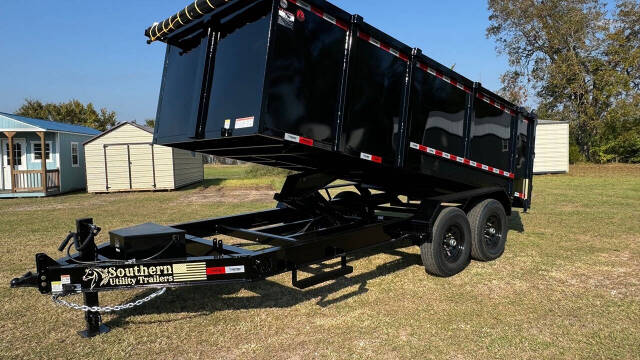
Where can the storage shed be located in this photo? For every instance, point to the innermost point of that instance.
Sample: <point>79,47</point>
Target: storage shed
<point>125,159</point>
<point>552,147</point>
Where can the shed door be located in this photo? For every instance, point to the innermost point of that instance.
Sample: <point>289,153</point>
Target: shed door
<point>142,171</point>
<point>117,159</point>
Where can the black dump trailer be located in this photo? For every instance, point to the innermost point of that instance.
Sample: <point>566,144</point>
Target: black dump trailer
<point>429,157</point>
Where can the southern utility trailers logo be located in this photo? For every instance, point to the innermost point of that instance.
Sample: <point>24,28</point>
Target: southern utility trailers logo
<point>154,274</point>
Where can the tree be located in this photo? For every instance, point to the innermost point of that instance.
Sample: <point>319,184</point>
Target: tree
<point>150,123</point>
<point>582,63</point>
<point>71,112</point>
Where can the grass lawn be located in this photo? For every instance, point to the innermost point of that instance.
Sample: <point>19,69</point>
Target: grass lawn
<point>568,285</point>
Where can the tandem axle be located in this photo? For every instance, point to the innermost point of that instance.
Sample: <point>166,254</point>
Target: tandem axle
<point>306,228</point>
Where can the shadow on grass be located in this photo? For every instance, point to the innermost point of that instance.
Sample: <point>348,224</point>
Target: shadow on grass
<point>515,222</point>
<point>205,184</point>
<point>199,301</point>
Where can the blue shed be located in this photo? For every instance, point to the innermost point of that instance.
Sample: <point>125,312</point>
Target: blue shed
<point>26,172</point>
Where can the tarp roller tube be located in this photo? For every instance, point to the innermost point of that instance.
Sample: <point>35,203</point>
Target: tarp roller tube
<point>182,18</point>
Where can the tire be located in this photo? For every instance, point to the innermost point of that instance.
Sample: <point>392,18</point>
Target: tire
<point>350,203</point>
<point>489,230</point>
<point>442,256</point>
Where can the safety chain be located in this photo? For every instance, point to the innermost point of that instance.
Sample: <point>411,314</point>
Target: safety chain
<point>57,299</point>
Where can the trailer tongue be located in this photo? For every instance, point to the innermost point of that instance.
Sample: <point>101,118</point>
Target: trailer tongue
<point>429,157</point>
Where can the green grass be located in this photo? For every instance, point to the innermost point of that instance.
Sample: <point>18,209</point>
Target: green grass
<point>568,285</point>
<point>244,176</point>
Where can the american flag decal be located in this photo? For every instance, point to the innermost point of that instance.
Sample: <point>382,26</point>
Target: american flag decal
<point>190,272</point>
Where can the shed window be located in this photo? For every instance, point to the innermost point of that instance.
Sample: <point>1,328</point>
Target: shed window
<point>17,153</point>
<point>36,148</point>
<point>75,159</point>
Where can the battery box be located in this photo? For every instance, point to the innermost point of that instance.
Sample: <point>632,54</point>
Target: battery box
<point>145,240</point>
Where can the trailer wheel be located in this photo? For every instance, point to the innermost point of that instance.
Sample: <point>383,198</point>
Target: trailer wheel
<point>449,251</point>
<point>488,230</point>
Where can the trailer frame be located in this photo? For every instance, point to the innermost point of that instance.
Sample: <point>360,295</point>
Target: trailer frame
<point>306,228</point>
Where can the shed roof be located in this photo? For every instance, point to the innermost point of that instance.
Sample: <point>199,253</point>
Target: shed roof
<point>144,128</point>
<point>46,125</point>
<point>551,122</point>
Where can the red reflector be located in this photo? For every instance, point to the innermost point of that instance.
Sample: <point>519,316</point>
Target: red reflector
<point>376,159</point>
<point>300,15</point>
<point>215,271</point>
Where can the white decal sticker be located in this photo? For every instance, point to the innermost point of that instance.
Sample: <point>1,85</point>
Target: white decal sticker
<point>227,124</point>
<point>65,279</point>
<point>56,286</point>
<point>244,123</point>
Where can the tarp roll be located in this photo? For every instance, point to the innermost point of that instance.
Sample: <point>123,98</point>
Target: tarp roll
<point>182,18</point>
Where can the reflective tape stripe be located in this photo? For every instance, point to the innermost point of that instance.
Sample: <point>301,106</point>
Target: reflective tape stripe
<point>298,139</point>
<point>496,104</point>
<point>383,46</point>
<point>375,159</point>
<point>443,77</point>
<point>320,13</point>
<point>460,160</point>
<point>221,270</point>
<point>520,195</point>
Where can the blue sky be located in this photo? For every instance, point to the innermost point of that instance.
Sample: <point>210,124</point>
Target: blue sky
<point>95,51</point>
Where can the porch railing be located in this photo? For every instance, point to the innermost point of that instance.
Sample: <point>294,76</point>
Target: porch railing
<point>31,180</point>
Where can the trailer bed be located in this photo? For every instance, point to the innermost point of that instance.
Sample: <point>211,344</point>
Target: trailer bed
<point>307,86</point>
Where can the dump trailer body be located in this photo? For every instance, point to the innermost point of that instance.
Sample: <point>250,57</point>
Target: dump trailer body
<point>309,87</point>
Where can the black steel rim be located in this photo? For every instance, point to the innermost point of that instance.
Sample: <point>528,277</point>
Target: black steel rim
<point>453,244</point>
<point>492,232</point>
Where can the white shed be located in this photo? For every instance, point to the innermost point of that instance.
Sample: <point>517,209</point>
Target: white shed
<point>552,147</point>
<point>125,159</point>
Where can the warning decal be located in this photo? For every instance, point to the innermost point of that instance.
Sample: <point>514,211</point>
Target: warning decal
<point>243,123</point>
<point>286,18</point>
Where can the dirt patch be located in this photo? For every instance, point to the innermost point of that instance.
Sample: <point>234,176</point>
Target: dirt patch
<point>607,170</point>
<point>229,194</point>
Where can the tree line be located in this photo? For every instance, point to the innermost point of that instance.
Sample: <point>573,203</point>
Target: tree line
<point>577,60</point>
